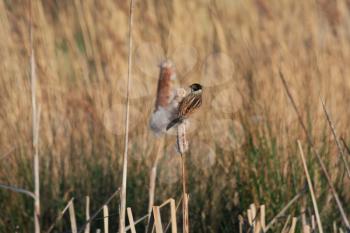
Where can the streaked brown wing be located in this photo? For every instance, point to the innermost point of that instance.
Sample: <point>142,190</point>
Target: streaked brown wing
<point>189,104</point>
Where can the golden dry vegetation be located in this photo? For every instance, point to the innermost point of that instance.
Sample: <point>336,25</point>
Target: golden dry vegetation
<point>242,143</point>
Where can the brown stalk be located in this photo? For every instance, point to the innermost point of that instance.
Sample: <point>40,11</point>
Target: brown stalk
<point>126,140</point>
<point>163,98</point>
<point>332,127</point>
<point>60,215</point>
<point>164,88</point>
<point>157,219</point>
<point>98,211</point>
<point>153,174</point>
<point>293,225</point>
<point>73,221</point>
<point>311,189</point>
<point>284,229</point>
<point>310,141</point>
<point>164,91</point>
<point>105,219</point>
<point>185,196</point>
<point>346,146</point>
<point>36,119</point>
<point>182,148</point>
<point>87,214</point>
<point>173,221</point>
<point>153,177</point>
<point>131,221</point>
<point>262,217</point>
<point>241,222</point>
<point>285,208</point>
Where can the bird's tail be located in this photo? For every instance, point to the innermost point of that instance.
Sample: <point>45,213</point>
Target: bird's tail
<point>173,122</point>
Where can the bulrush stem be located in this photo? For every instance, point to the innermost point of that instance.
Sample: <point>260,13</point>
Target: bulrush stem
<point>153,177</point>
<point>185,196</point>
<point>182,148</point>
<point>164,93</point>
<point>332,127</point>
<point>36,123</point>
<point>126,141</point>
<point>311,189</point>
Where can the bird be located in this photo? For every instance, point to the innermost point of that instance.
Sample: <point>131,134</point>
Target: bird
<point>190,103</point>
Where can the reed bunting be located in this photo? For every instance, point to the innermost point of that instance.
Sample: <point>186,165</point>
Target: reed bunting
<point>188,104</point>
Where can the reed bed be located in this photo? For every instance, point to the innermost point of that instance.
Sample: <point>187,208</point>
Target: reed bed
<point>244,172</point>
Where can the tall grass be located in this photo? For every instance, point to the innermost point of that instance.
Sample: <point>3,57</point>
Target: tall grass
<point>242,147</point>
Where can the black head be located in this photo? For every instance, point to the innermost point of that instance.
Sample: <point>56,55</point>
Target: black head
<point>196,87</point>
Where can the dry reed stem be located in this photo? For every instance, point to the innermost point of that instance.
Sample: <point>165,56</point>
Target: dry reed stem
<point>182,146</point>
<point>306,229</point>
<point>181,139</point>
<point>164,91</point>
<point>105,219</point>
<point>293,225</point>
<point>241,222</point>
<point>332,127</point>
<point>310,141</point>
<point>262,217</point>
<point>311,189</point>
<point>60,215</point>
<point>36,119</point>
<point>151,222</point>
<point>173,216</point>
<point>73,221</point>
<point>303,217</point>
<point>253,215</point>
<point>313,224</point>
<point>18,190</point>
<point>249,216</point>
<point>136,222</point>
<point>171,221</point>
<point>98,211</point>
<point>157,219</point>
<point>284,229</point>
<point>185,221</point>
<point>257,227</point>
<point>153,176</point>
<point>131,221</point>
<point>126,142</point>
<point>335,228</point>
<point>167,202</point>
<point>256,224</point>
<point>346,146</point>
<point>285,208</point>
<point>87,214</point>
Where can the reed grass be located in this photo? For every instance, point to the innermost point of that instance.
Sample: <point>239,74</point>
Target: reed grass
<point>126,141</point>
<point>319,159</point>
<point>341,151</point>
<point>72,216</point>
<point>241,148</point>
<point>311,189</point>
